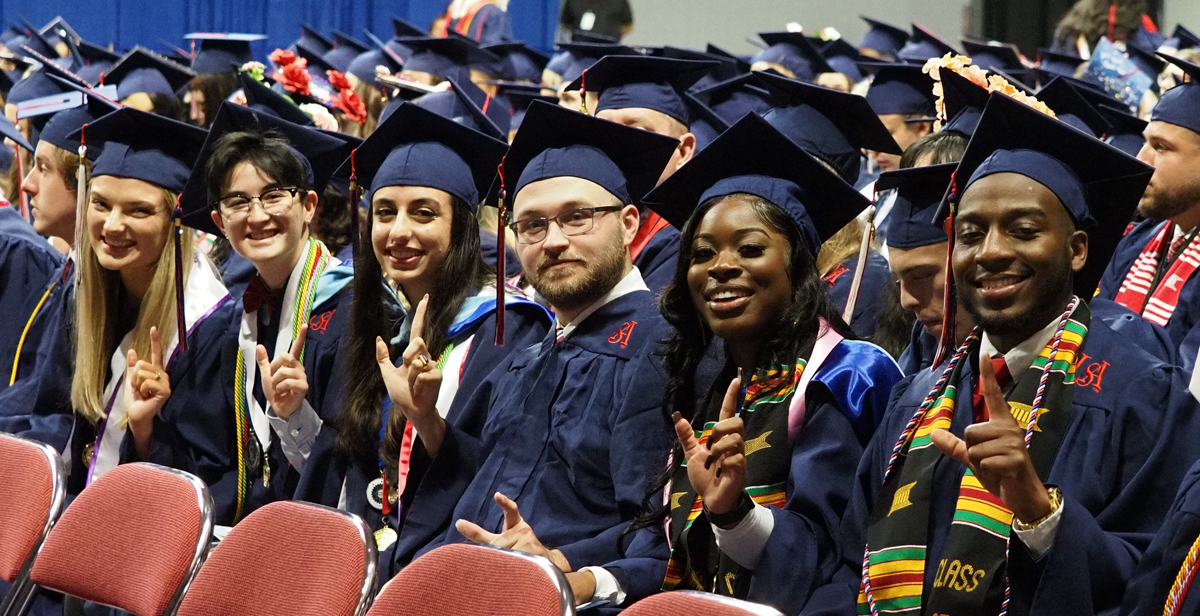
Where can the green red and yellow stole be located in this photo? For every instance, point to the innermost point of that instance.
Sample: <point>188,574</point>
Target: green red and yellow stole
<point>696,563</point>
<point>971,574</point>
<point>253,442</point>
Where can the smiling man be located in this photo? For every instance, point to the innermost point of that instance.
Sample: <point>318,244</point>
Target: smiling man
<point>1153,270</point>
<point>1030,467</point>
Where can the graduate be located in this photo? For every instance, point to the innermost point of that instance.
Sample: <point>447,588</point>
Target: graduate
<point>216,60</point>
<point>148,82</point>
<point>1153,269</point>
<point>647,93</point>
<point>790,54</point>
<point>754,209</point>
<point>1028,469</point>
<point>426,176</point>
<point>902,97</point>
<point>882,40</point>
<point>923,45</point>
<point>573,430</point>
<point>1162,582</point>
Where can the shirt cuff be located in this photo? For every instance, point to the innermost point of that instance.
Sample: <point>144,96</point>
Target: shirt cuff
<point>745,542</point>
<point>1038,540</point>
<point>607,586</point>
<point>297,433</point>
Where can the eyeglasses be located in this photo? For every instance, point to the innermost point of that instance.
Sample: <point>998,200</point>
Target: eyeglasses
<point>572,222</point>
<point>275,202</point>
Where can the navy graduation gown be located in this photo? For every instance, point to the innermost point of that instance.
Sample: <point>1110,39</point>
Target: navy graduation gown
<point>28,264</point>
<point>921,350</point>
<point>657,259</point>
<point>574,434</point>
<point>846,399</point>
<point>1128,445</point>
<point>871,295</point>
<point>1151,583</point>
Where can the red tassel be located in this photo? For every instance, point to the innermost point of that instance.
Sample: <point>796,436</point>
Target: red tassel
<point>1112,20</point>
<point>583,92</point>
<point>500,259</point>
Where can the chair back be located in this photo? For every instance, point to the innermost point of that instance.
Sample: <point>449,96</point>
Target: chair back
<point>32,490</point>
<point>691,602</point>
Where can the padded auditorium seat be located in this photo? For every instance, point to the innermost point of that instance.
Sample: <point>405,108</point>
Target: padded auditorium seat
<point>32,490</point>
<point>690,603</point>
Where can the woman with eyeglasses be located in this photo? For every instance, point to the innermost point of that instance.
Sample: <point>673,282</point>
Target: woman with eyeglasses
<point>420,277</point>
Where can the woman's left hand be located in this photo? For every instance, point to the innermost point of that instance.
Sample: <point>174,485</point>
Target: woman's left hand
<point>717,472</point>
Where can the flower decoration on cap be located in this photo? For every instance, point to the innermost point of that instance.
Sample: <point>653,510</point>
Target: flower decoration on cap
<point>255,69</point>
<point>292,73</point>
<point>346,100</point>
<point>992,83</point>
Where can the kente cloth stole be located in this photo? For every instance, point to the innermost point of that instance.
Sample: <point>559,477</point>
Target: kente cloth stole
<point>971,578</point>
<point>1147,293</point>
<point>696,563</point>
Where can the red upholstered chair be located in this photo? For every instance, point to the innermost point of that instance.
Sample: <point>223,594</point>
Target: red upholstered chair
<point>288,558</point>
<point>690,603</point>
<point>134,540</point>
<point>32,489</point>
<point>476,580</point>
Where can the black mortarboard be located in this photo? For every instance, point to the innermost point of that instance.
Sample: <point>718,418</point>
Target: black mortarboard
<point>582,36</point>
<point>733,98</point>
<point>36,42</point>
<point>144,146</point>
<point>1181,105</point>
<point>39,84</point>
<point>220,52</point>
<point>885,39</point>
<point>646,82</point>
<point>1069,106</point>
<point>752,157</point>
<point>727,68</point>
<point>706,125</point>
<point>142,70</point>
<point>1181,39</point>
<point>314,39</point>
<point>1099,185</point>
<point>96,60</point>
<point>831,125</point>
<point>59,30</point>
<point>447,58</point>
<point>346,49</point>
<point>1125,132</point>
<point>919,192</point>
<point>584,55</point>
<point>901,89</point>
<point>1051,63</point>
<point>520,101</point>
<point>964,101</point>
<point>1147,62</point>
<point>794,52</point>
<point>263,99</point>
<point>844,58</point>
<point>416,147</point>
<point>393,49</point>
<point>556,142</point>
<point>518,61</point>
<point>320,154</point>
<point>924,45</point>
<point>466,104</point>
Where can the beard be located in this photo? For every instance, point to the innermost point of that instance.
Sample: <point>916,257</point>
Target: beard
<point>1168,203</point>
<point>1055,291</point>
<point>574,291</point>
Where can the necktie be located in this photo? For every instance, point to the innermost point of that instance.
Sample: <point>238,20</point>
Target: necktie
<point>558,335</point>
<point>1003,378</point>
<point>258,294</point>
<point>1176,245</point>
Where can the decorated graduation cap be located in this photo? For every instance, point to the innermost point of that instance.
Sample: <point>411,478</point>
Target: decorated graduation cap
<point>311,37</point>
<point>884,39</point>
<point>752,157</point>
<point>843,58</point>
<point>1125,130</point>
<point>1182,38</point>
<point>1116,74</point>
<point>518,61</point>
<point>263,99</point>
<point>447,58</point>
<point>57,118</point>
<point>924,45</point>
<point>919,192</point>
<point>1070,107</point>
<point>321,155</point>
<point>733,98</point>
<point>1181,105</point>
<point>219,52</point>
<point>346,49</point>
<point>646,82</point>
<point>901,89</point>
<point>964,102</point>
<point>706,125</point>
<point>466,104</point>
<point>141,70</point>
<point>831,125</point>
<point>794,52</point>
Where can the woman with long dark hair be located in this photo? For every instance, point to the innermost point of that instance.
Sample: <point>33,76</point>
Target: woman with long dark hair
<point>418,255</point>
<point>766,452</point>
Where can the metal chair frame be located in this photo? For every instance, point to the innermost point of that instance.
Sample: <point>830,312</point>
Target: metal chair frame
<point>22,593</point>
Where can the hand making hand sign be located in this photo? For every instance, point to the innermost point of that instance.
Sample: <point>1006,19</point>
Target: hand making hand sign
<point>717,472</point>
<point>413,385</point>
<point>517,535</point>
<point>284,381</point>
<point>147,388</point>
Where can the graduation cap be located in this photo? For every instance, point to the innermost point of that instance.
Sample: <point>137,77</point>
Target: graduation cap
<point>794,52</point>
<point>583,36</point>
<point>831,125</point>
<point>988,55</point>
<point>520,100</point>
<point>395,51</point>
<point>1181,39</point>
<point>901,89</point>
<point>363,65</point>
<point>1147,62</point>
<point>309,36</point>
<point>144,146</point>
<point>447,58</point>
<point>1125,132</point>
<point>1070,107</point>
<point>1098,184</point>
<point>1051,63</point>
<point>964,101</point>
<point>584,55</point>
<point>57,118</point>
<point>346,50</point>
<point>518,61</point>
<point>466,104</point>
<point>924,45</point>
<point>39,84</point>
<point>647,82</point>
<point>263,99</point>
<point>753,157</point>
<point>919,192</point>
<point>142,70</point>
<point>58,29</point>
<point>1180,105</point>
<point>416,147</point>
<point>733,98</point>
<point>36,42</point>
<point>94,55</point>
<point>556,142</point>
<point>1116,74</point>
<point>321,155</point>
<point>843,58</point>
<point>885,39</point>
<point>9,131</point>
<point>316,65</point>
<point>407,29</point>
<point>706,124</point>
<point>222,52</point>
<point>726,68</point>
<point>10,34</point>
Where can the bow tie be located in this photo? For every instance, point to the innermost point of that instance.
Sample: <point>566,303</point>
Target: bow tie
<point>258,294</point>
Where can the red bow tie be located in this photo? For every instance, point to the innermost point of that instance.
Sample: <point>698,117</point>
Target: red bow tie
<point>258,294</point>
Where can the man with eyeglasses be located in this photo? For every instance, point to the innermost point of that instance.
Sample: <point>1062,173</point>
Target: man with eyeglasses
<point>574,431</point>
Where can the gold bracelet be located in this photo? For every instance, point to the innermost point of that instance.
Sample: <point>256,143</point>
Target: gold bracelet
<point>1055,504</point>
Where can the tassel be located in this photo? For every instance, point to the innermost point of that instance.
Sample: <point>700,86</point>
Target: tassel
<point>583,93</point>
<point>22,204</point>
<point>1112,21</point>
<point>500,258</point>
<point>864,250</point>
<point>81,182</point>
<point>180,317</point>
<point>949,299</point>
<point>355,197</point>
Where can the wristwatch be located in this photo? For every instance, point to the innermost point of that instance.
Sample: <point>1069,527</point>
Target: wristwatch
<point>733,517</point>
<point>1056,501</point>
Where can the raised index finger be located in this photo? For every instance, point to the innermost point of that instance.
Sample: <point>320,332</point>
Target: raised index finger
<point>156,348</point>
<point>418,326</point>
<point>732,397</point>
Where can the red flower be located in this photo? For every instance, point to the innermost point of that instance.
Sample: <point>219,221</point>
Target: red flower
<point>294,78</point>
<point>338,80</point>
<point>283,57</point>
<point>350,104</point>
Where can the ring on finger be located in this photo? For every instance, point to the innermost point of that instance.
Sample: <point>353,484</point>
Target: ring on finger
<point>157,375</point>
